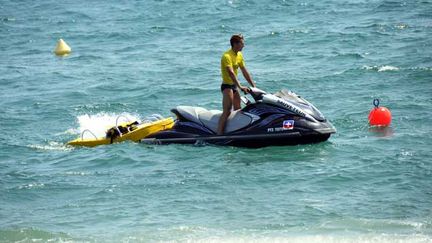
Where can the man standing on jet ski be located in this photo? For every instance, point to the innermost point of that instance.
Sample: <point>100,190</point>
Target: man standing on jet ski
<point>230,62</point>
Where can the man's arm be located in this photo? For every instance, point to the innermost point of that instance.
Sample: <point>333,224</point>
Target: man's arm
<point>234,78</point>
<point>247,76</point>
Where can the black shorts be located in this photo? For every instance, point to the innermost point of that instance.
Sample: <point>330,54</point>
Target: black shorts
<point>229,86</point>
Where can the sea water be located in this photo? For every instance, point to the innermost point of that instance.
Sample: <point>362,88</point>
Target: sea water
<point>136,58</point>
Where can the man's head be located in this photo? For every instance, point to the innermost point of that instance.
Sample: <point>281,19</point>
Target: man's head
<point>237,42</point>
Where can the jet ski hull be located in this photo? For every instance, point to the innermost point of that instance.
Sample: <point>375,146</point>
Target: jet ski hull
<point>273,120</point>
<point>249,141</point>
<point>260,134</point>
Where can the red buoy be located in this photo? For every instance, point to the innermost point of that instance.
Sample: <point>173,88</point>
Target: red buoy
<point>379,116</point>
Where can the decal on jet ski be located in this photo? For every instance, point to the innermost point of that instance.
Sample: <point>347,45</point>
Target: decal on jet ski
<point>276,129</point>
<point>288,124</point>
<point>290,107</point>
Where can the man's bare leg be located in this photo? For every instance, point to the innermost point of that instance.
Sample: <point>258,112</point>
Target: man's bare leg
<point>227,102</point>
<point>236,101</point>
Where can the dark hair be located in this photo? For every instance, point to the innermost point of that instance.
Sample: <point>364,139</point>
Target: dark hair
<point>236,39</point>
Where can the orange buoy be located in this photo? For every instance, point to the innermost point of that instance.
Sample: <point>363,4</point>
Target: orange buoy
<point>379,116</point>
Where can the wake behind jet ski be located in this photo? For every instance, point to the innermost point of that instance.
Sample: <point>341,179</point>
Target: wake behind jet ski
<point>283,118</point>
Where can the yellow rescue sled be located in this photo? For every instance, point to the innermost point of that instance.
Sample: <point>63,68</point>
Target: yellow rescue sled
<point>132,131</point>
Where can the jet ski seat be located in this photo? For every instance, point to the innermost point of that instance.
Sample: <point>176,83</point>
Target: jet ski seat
<point>210,118</point>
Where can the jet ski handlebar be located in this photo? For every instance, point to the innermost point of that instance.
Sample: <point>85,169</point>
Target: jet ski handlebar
<point>256,93</point>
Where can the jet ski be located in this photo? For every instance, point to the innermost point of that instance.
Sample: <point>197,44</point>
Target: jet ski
<point>283,118</point>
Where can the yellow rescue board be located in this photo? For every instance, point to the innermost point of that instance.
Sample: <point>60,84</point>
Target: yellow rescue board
<point>141,131</point>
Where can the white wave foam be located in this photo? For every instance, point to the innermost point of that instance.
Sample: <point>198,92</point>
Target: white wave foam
<point>421,68</point>
<point>50,146</point>
<point>77,173</point>
<point>99,123</point>
<point>32,186</point>
<point>387,68</point>
<point>381,68</point>
<point>401,26</point>
<point>321,239</point>
<point>369,231</point>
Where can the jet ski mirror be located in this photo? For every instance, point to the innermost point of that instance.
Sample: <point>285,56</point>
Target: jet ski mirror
<point>256,93</point>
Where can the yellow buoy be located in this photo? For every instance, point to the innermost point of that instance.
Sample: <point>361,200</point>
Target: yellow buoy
<point>62,48</point>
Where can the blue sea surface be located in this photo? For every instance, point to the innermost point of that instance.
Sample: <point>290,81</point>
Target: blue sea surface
<point>137,58</point>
